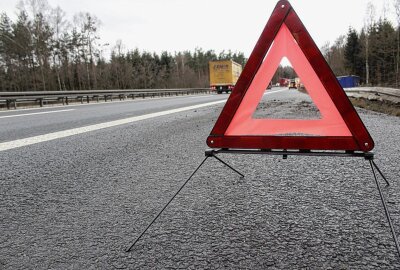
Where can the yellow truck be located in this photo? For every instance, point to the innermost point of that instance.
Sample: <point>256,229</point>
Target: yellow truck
<point>224,75</point>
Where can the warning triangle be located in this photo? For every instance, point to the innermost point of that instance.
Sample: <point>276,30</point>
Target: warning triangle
<point>340,127</point>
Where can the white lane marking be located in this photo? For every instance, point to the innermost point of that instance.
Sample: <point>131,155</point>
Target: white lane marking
<point>75,131</point>
<point>273,92</point>
<point>28,114</point>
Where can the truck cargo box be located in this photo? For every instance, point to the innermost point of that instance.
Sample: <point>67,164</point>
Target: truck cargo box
<point>349,81</point>
<point>224,75</point>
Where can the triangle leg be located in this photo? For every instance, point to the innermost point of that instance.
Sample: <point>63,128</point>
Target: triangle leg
<point>379,171</point>
<point>173,197</point>
<point>386,209</point>
<point>229,166</point>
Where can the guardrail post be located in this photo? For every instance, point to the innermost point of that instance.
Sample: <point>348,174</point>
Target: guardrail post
<point>9,103</point>
<point>87,99</point>
<point>41,102</point>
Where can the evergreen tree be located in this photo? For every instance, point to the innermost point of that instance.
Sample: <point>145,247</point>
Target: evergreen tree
<point>352,52</point>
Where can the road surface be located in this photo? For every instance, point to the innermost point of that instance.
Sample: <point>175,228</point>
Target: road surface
<point>79,183</point>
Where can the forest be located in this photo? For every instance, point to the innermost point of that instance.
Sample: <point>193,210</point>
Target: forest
<point>376,61</point>
<point>372,53</point>
<point>42,51</point>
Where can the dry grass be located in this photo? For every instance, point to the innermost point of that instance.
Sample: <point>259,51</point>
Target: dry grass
<point>386,107</point>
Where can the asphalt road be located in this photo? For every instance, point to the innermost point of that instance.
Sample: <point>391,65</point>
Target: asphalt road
<point>78,201</point>
<point>31,122</point>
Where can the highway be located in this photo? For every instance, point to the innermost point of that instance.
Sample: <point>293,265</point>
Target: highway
<point>79,183</point>
<point>30,122</point>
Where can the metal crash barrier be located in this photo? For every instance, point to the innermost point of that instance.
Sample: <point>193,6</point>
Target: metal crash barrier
<point>41,98</point>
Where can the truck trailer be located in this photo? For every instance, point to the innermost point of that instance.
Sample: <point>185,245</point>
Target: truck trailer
<point>224,75</point>
<point>349,81</point>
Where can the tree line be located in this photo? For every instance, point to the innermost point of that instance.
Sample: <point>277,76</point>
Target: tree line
<point>42,50</point>
<point>372,53</point>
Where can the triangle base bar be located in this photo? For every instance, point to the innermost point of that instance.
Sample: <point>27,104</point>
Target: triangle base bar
<point>283,142</point>
<point>285,153</point>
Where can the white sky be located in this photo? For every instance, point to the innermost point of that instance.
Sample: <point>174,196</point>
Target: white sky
<point>177,25</point>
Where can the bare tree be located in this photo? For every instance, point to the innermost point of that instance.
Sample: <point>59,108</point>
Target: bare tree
<point>59,26</point>
<point>38,11</point>
<point>34,7</point>
<point>119,48</point>
<point>385,9</point>
<point>396,4</point>
<point>88,25</point>
<point>368,24</point>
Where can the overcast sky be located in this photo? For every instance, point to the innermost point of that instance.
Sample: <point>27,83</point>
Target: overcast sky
<point>177,25</point>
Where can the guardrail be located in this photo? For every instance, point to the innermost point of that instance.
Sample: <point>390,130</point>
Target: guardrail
<point>11,99</point>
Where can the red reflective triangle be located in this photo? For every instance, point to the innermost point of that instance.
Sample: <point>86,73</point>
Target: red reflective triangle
<point>340,127</point>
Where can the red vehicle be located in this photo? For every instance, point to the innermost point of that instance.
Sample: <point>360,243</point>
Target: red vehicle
<point>284,82</point>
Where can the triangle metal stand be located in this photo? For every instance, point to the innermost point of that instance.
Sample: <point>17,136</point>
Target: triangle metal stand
<point>369,156</point>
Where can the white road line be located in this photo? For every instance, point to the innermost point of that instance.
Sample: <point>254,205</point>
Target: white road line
<point>273,92</point>
<point>75,131</point>
<point>28,114</point>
